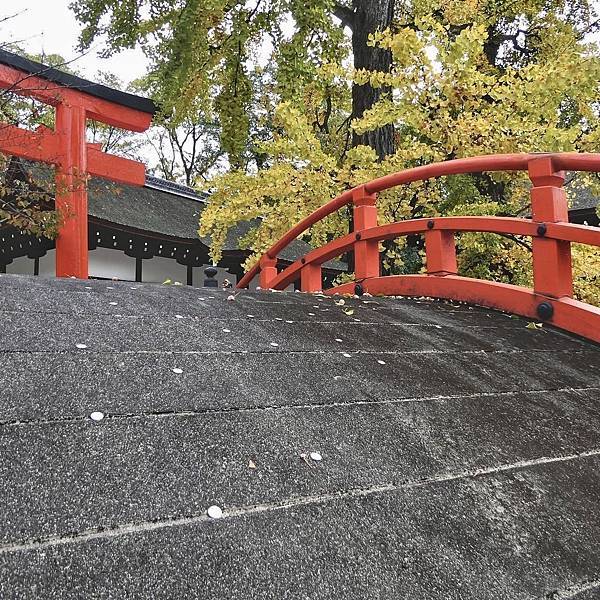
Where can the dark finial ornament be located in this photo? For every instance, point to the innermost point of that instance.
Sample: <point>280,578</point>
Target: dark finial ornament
<point>545,311</point>
<point>210,280</point>
<point>359,290</point>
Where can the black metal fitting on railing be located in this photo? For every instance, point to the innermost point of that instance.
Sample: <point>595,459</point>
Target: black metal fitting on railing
<point>545,311</point>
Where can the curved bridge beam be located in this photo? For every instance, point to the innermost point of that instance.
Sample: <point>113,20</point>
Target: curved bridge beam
<point>566,313</point>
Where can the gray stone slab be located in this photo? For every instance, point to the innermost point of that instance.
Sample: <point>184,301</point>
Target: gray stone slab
<point>128,469</point>
<point>104,333</point>
<point>63,385</point>
<point>517,535</point>
<point>460,449</point>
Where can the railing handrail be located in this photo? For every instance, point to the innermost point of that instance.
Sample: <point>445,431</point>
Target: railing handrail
<point>499,162</point>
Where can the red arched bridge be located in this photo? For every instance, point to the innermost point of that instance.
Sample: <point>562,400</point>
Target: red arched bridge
<point>551,298</point>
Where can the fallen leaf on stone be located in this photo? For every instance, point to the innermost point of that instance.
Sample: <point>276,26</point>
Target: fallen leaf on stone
<point>340,302</point>
<point>167,282</point>
<point>348,311</point>
<point>251,464</point>
<point>532,325</point>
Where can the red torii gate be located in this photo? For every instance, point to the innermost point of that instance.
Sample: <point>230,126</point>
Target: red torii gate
<point>75,100</point>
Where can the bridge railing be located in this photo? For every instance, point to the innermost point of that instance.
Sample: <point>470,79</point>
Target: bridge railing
<point>549,300</point>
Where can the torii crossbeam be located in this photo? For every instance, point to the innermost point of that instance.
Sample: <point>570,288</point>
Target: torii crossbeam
<point>75,101</point>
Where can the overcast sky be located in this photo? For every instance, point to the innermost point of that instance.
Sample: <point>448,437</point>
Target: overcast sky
<point>49,26</point>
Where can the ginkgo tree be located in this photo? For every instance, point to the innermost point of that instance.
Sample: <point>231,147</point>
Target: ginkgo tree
<point>448,100</point>
<point>351,90</point>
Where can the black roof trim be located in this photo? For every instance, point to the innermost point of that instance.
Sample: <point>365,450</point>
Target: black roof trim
<point>175,188</point>
<point>77,83</point>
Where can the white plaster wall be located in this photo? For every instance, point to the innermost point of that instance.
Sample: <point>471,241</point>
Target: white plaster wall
<point>157,269</point>
<point>21,265</point>
<point>108,263</point>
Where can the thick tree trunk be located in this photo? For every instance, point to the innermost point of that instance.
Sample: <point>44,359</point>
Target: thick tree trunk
<point>370,16</point>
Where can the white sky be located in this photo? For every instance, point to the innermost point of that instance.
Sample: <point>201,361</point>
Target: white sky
<point>49,26</point>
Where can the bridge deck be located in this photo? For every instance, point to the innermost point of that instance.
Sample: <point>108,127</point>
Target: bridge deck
<point>460,449</point>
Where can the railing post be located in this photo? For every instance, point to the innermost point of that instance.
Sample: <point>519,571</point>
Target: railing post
<point>311,279</point>
<point>440,251</point>
<point>552,271</point>
<point>268,271</point>
<point>366,253</point>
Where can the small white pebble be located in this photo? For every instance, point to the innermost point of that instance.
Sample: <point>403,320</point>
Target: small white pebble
<point>201,299</point>
<point>179,316</point>
<point>250,316</point>
<point>337,377</point>
<point>289,322</point>
<point>275,344</point>
<point>113,303</point>
<point>108,287</point>
<point>316,456</point>
<point>226,330</point>
<point>311,314</point>
<point>178,371</point>
<point>214,512</point>
<point>347,355</point>
<point>81,346</point>
<point>87,287</point>
<point>97,416</point>
<point>338,340</point>
<point>133,288</point>
<point>381,362</point>
<point>230,298</point>
<point>278,319</point>
<point>438,326</point>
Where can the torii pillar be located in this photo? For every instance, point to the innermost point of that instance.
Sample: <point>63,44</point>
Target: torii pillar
<point>75,100</point>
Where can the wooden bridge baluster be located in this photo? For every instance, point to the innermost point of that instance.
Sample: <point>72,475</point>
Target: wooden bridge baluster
<point>440,251</point>
<point>552,271</point>
<point>366,252</point>
<point>311,278</point>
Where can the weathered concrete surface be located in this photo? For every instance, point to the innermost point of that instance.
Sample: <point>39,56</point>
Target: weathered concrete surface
<point>461,450</point>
